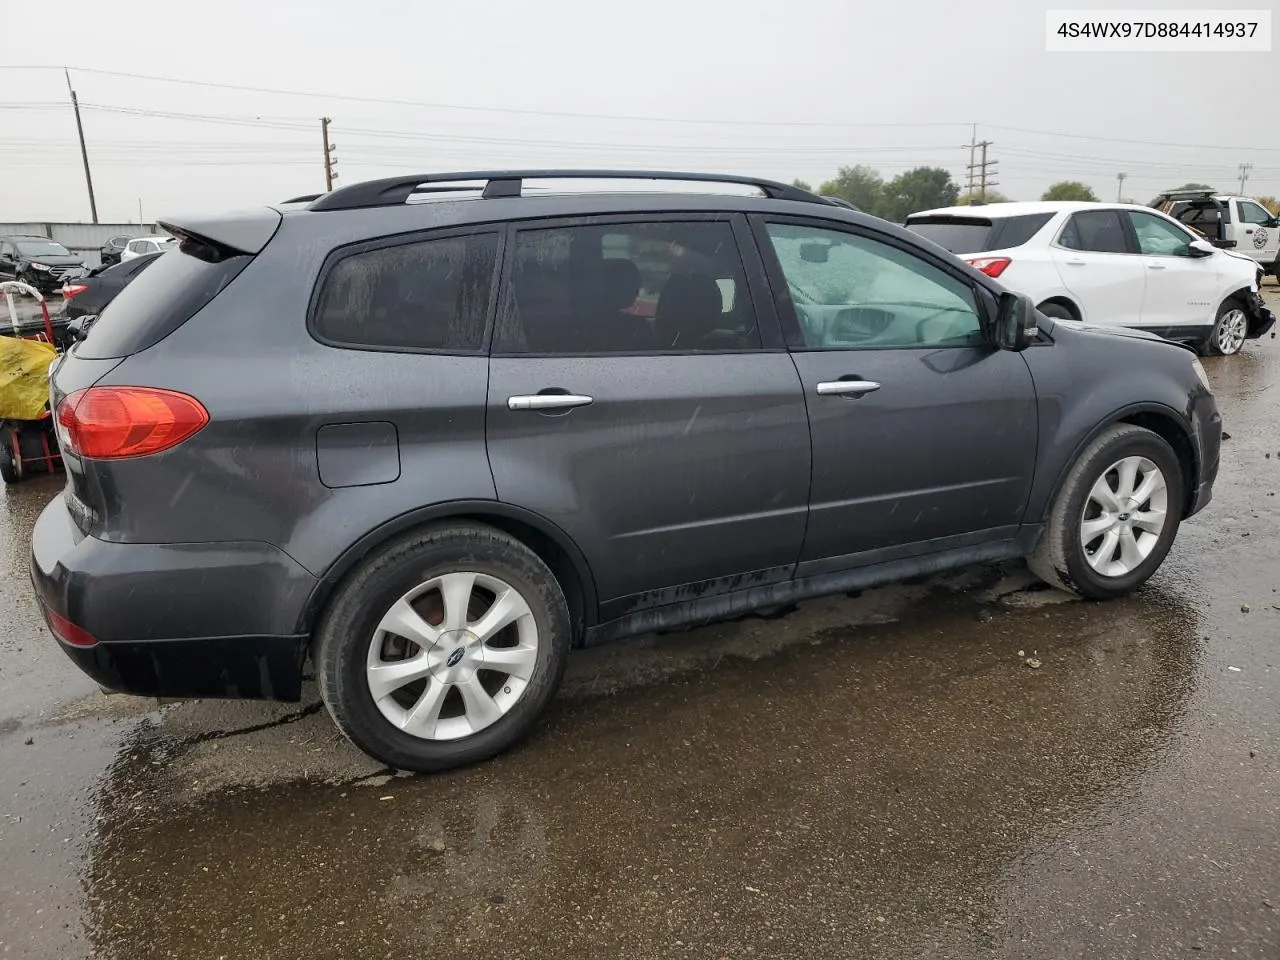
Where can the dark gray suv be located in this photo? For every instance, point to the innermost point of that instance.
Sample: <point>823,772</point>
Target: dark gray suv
<point>431,432</point>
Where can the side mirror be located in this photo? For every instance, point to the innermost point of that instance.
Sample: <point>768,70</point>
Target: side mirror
<point>1200,248</point>
<point>1016,322</point>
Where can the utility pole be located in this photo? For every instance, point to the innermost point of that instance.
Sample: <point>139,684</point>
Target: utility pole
<point>983,176</point>
<point>84,154</point>
<point>1244,175</point>
<point>1120,178</point>
<point>973,146</point>
<point>329,175</point>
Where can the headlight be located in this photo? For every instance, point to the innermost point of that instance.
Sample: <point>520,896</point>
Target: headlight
<point>41,267</point>
<point>1203,377</point>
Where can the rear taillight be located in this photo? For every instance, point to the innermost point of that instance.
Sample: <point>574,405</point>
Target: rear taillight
<point>68,632</point>
<point>991,266</point>
<point>73,290</point>
<point>109,423</point>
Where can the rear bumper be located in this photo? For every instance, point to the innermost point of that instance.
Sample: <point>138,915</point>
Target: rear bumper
<point>172,620</point>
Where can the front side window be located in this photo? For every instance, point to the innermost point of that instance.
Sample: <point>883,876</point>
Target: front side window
<point>647,288</point>
<point>851,292</point>
<point>1158,237</point>
<point>430,295</point>
<point>1095,231</point>
<point>1251,212</point>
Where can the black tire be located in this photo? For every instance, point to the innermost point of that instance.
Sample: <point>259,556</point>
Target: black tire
<point>1213,344</point>
<point>1060,558</point>
<point>1056,311</point>
<point>10,471</point>
<point>343,638</point>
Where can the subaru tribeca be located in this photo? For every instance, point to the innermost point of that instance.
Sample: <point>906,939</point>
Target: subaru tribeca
<point>429,433</point>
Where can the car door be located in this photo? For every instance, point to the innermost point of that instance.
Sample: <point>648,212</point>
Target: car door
<point>1261,236</point>
<point>640,401</point>
<point>1096,263</point>
<point>8,260</point>
<point>1180,289</point>
<point>924,435</point>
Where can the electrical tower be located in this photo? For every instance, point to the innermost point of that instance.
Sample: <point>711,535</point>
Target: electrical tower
<point>1244,175</point>
<point>981,171</point>
<point>330,174</point>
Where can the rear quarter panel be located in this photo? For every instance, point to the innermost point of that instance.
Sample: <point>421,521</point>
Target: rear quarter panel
<point>252,473</point>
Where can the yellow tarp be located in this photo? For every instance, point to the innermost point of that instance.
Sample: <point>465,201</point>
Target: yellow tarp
<point>24,378</point>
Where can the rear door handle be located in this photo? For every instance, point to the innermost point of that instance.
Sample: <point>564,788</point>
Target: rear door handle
<point>1076,263</point>
<point>847,388</point>
<point>1155,266</point>
<point>547,401</point>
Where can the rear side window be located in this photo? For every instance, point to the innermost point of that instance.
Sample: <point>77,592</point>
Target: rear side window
<point>1096,231</point>
<point>158,301</point>
<point>429,295</point>
<point>647,288</point>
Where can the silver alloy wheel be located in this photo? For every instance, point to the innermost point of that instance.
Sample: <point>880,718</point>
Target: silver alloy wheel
<point>452,656</point>
<point>1231,331</point>
<point>1123,516</point>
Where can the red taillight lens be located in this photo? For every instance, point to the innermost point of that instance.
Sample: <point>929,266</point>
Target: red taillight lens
<point>68,632</point>
<point>109,423</point>
<point>991,266</point>
<point>73,290</point>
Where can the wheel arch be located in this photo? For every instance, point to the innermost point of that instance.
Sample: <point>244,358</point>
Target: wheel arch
<point>550,542</point>
<point>1064,301</point>
<point>1239,296</point>
<point>1161,420</point>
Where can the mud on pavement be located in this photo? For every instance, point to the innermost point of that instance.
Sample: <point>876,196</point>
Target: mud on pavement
<point>964,766</point>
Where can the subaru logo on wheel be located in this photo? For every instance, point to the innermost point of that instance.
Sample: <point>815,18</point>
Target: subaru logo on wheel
<point>454,657</point>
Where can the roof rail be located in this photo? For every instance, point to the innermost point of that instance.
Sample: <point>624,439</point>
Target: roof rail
<point>392,191</point>
<point>307,198</point>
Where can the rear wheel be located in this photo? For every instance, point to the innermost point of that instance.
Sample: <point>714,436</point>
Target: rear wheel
<point>1057,311</point>
<point>1229,331</point>
<point>443,649</point>
<point>1115,517</point>
<point>10,467</point>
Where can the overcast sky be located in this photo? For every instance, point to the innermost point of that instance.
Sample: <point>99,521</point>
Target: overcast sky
<point>779,89</point>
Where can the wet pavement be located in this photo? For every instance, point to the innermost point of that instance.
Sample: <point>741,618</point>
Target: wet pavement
<point>881,775</point>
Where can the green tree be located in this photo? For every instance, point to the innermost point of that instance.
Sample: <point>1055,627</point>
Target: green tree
<point>801,185</point>
<point>860,185</point>
<point>1070,190</point>
<point>921,188</point>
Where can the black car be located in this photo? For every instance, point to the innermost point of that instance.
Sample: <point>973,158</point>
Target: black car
<point>39,261</point>
<point>90,295</point>
<point>111,250</point>
<point>431,445</point>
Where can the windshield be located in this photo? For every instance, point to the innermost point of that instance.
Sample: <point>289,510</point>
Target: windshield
<point>41,248</point>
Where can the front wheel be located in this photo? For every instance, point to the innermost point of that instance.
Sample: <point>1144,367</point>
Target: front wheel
<point>10,465</point>
<point>443,649</point>
<point>1115,518</point>
<point>1229,331</point>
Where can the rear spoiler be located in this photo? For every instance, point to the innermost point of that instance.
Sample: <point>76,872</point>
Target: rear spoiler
<point>223,236</point>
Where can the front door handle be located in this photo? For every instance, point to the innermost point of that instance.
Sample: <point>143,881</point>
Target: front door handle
<point>1155,266</point>
<point>1076,263</point>
<point>1248,231</point>
<point>547,401</point>
<point>847,388</point>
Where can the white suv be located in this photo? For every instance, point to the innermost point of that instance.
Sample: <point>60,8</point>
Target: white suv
<point>1109,264</point>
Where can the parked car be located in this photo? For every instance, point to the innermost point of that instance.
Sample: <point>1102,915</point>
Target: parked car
<point>452,446</point>
<point>1234,223</point>
<point>140,246</point>
<point>43,263</point>
<point>1109,264</point>
<point>89,295</point>
<point>111,251</point>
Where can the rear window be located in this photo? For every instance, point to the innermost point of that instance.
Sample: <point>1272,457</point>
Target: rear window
<point>962,235</point>
<point>158,301</point>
